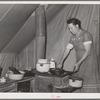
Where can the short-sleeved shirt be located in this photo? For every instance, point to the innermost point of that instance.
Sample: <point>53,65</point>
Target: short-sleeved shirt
<point>78,43</point>
<point>85,38</point>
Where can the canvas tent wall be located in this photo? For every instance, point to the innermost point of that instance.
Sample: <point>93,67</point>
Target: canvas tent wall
<point>57,33</point>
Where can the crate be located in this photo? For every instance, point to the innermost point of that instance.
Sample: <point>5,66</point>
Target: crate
<point>59,81</point>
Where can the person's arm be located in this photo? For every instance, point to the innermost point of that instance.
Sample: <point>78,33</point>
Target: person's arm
<point>87,46</point>
<point>65,55</point>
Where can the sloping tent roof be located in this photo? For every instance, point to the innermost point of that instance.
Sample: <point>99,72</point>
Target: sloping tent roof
<point>17,30</point>
<point>17,25</point>
<point>12,19</point>
<point>17,22</point>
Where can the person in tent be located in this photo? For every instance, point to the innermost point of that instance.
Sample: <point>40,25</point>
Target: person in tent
<point>86,65</point>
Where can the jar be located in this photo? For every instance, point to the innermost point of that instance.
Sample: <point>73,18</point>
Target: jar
<point>52,63</point>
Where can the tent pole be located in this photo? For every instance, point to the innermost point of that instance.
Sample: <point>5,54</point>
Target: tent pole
<point>40,44</point>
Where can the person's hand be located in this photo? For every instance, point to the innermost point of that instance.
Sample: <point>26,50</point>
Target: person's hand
<point>76,67</point>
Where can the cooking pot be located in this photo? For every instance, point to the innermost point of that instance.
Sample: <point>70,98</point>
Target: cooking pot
<point>76,82</point>
<point>43,67</point>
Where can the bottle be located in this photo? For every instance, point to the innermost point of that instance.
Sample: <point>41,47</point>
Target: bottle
<point>52,63</point>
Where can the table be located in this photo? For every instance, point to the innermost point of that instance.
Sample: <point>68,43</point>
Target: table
<point>11,85</point>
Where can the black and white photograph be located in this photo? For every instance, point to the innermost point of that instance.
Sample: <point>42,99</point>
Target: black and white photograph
<point>49,48</point>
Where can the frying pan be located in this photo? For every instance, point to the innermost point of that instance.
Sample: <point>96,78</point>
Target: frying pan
<point>60,71</point>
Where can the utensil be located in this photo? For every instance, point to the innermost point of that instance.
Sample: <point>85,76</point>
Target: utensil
<point>14,70</point>
<point>74,69</point>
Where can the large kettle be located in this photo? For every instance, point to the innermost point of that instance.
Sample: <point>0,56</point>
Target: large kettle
<point>42,65</point>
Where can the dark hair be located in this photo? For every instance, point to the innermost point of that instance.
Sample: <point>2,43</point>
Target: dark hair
<point>74,21</point>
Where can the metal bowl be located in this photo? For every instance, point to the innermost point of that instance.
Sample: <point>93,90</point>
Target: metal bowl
<point>16,76</point>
